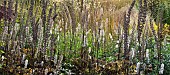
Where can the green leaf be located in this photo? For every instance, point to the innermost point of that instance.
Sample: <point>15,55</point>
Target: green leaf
<point>1,52</point>
<point>0,65</point>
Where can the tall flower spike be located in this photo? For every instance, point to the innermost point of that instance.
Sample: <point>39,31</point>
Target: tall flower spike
<point>26,63</point>
<point>161,69</point>
<point>132,53</point>
<point>23,58</point>
<point>110,35</point>
<point>141,17</point>
<point>2,58</point>
<point>126,28</point>
<point>147,55</point>
<point>55,59</point>
<point>141,22</point>
<point>42,63</point>
<point>138,67</point>
<point>140,26</point>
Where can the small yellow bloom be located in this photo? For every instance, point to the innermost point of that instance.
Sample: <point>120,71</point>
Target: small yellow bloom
<point>155,26</point>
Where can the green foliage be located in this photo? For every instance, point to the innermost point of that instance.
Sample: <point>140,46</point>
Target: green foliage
<point>166,16</point>
<point>81,49</point>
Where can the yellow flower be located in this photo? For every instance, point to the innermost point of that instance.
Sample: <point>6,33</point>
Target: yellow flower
<point>155,26</point>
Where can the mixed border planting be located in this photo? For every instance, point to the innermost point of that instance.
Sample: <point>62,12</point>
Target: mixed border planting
<point>88,37</point>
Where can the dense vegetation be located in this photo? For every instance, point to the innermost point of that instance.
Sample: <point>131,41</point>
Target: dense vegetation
<point>88,37</point>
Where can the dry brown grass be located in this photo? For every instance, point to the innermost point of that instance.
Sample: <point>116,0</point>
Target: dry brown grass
<point>110,12</point>
<point>118,3</point>
<point>116,15</point>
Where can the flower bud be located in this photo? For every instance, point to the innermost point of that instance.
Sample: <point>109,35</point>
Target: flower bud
<point>26,63</point>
